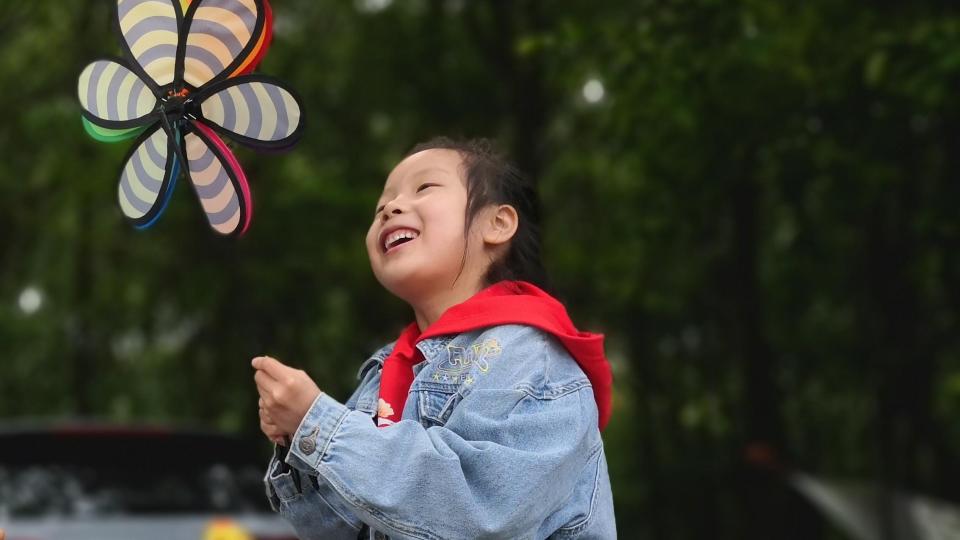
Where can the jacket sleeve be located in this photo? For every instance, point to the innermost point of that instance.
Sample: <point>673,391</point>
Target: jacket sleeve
<point>505,460</point>
<point>310,505</point>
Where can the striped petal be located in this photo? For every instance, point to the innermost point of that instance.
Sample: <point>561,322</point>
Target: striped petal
<point>253,59</point>
<point>150,32</point>
<point>218,180</point>
<point>254,110</point>
<point>148,177</point>
<point>221,35</point>
<point>114,97</point>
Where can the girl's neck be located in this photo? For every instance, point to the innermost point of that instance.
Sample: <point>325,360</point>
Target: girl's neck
<point>428,309</point>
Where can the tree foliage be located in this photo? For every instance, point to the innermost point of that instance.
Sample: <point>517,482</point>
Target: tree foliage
<point>755,201</point>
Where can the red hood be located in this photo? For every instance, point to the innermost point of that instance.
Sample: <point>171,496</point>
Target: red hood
<point>519,302</point>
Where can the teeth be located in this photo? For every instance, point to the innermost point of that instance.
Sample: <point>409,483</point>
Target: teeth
<point>394,237</point>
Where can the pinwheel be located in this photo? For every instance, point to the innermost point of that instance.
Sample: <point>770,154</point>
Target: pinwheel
<point>187,81</point>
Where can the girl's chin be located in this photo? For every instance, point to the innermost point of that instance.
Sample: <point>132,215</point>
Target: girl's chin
<point>412,275</point>
<point>408,284</point>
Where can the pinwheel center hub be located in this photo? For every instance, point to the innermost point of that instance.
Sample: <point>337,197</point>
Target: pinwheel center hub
<point>176,104</point>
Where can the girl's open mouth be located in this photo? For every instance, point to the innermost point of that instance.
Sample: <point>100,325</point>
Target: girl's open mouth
<point>397,238</point>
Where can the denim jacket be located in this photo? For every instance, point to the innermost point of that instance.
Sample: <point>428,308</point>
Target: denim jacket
<point>498,439</point>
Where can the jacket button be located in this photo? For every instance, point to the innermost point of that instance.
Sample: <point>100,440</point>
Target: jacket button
<point>309,443</point>
<point>307,446</point>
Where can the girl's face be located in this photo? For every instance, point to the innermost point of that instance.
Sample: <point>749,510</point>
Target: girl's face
<point>416,242</point>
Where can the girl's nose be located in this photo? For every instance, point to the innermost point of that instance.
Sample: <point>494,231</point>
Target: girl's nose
<point>391,208</point>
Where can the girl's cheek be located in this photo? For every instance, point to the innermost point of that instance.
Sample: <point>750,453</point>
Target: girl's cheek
<point>370,240</point>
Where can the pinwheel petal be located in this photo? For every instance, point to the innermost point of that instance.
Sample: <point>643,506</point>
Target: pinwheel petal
<point>107,135</point>
<point>220,36</point>
<point>148,177</point>
<point>218,180</point>
<point>263,44</point>
<point>114,97</point>
<point>149,29</point>
<point>254,110</point>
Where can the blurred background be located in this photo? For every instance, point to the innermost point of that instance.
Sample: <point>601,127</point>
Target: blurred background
<point>755,201</point>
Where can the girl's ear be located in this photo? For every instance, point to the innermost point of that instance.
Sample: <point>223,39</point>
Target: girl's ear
<point>500,225</point>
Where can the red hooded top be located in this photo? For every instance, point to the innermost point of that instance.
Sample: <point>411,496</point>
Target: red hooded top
<point>506,302</point>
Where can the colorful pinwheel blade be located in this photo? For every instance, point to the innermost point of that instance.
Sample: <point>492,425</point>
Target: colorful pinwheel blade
<point>148,177</point>
<point>149,29</point>
<point>114,97</point>
<point>109,135</point>
<point>218,180</point>
<point>254,110</point>
<point>220,36</point>
<point>263,44</point>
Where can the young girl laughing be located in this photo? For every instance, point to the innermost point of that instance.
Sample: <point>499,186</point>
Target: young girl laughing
<point>483,419</point>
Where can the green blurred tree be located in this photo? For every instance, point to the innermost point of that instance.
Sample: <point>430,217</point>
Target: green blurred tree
<point>754,200</point>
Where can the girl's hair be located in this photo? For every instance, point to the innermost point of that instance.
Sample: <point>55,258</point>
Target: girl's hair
<point>491,179</point>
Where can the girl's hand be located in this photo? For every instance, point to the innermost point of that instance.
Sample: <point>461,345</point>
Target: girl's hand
<point>286,393</point>
<point>268,428</point>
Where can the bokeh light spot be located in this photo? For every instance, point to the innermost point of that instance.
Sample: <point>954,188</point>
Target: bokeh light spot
<point>31,300</point>
<point>593,91</point>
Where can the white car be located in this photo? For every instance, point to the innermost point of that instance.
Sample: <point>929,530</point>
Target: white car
<point>85,481</point>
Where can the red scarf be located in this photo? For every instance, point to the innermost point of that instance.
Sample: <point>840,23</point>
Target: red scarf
<point>507,302</point>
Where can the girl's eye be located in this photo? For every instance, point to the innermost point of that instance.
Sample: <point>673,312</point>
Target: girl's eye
<point>424,186</point>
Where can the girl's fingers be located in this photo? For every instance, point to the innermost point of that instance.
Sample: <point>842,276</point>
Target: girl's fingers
<point>265,383</point>
<point>270,430</point>
<point>266,370</point>
<point>272,366</point>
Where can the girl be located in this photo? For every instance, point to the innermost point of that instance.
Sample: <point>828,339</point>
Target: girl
<point>483,419</point>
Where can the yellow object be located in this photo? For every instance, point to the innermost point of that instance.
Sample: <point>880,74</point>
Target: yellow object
<point>224,529</point>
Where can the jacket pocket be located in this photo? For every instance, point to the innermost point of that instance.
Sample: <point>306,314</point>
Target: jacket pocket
<point>313,517</point>
<point>436,404</point>
<point>285,485</point>
<point>583,500</point>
